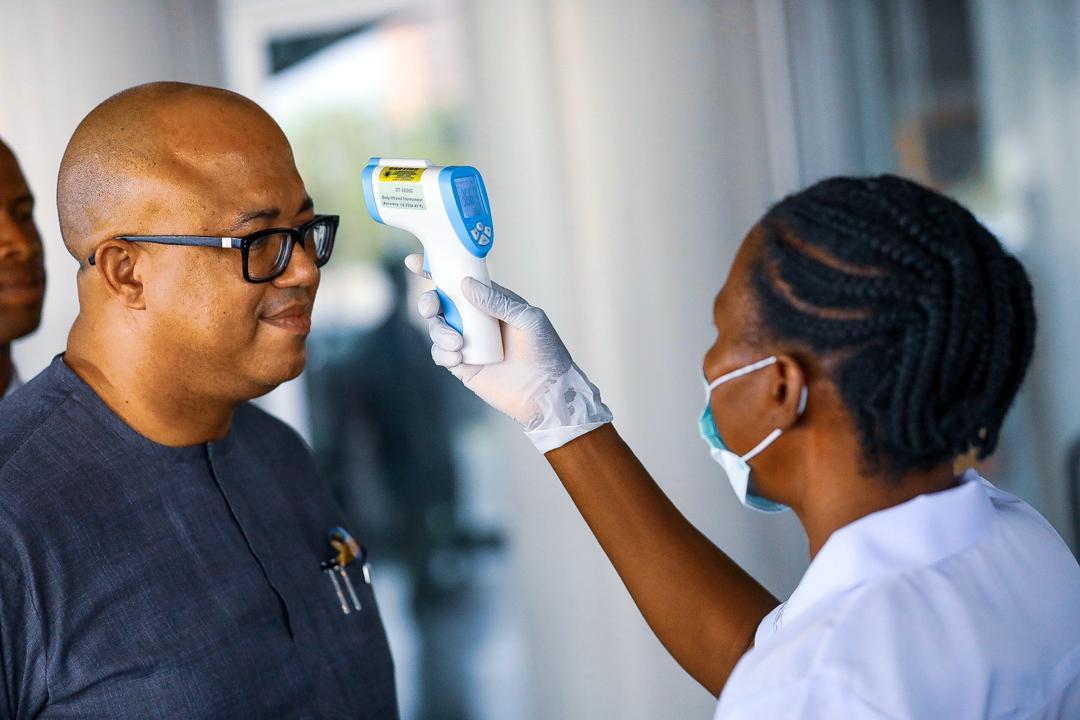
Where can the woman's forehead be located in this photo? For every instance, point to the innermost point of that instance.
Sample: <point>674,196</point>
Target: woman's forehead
<point>735,292</point>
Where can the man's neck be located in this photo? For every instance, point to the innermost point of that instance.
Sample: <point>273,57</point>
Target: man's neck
<point>7,370</point>
<point>158,408</point>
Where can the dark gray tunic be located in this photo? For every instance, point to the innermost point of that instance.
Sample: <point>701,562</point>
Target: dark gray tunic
<point>138,580</point>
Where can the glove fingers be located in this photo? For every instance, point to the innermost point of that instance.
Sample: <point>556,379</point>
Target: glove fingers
<point>510,293</point>
<point>493,300</point>
<point>445,358</point>
<point>415,263</point>
<point>444,336</point>
<point>428,305</point>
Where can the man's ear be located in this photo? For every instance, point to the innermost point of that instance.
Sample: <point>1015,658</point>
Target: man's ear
<point>115,262</point>
<point>790,388</point>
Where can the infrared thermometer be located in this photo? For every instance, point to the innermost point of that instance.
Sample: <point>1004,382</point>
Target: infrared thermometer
<point>447,209</point>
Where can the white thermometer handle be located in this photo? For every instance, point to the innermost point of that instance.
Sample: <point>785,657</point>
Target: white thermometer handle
<point>481,332</point>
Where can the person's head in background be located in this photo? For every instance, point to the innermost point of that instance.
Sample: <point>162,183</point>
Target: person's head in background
<point>184,323</point>
<point>22,268</point>
<point>910,325</point>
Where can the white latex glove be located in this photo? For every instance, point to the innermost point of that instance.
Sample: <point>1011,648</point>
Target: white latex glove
<point>537,384</point>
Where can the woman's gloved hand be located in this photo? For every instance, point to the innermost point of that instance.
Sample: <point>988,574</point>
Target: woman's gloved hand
<point>537,384</point>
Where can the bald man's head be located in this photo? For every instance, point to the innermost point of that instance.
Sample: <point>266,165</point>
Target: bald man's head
<point>169,159</point>
<point>151,142</point>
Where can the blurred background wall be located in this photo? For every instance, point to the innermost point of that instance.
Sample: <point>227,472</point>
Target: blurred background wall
<point>627,146</point>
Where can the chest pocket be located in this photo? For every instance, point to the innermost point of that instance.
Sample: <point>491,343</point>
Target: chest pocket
<point>346,648</point>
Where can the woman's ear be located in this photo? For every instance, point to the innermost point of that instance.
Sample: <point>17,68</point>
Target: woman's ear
<point>790,390</point>
<point>115,263</point>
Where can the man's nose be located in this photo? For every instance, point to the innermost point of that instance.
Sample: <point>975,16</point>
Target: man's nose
<point>301,271</point>
<point>17,242</point>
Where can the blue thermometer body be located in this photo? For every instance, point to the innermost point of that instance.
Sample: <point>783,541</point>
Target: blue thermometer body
<point>447,209</point>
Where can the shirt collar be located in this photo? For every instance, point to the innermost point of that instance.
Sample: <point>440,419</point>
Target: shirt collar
<point>915,533</point>
<point>14,384</point>
<point>103,414</point>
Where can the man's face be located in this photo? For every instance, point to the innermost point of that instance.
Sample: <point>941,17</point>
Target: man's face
<point>209,328</point>
<point>22,270</point>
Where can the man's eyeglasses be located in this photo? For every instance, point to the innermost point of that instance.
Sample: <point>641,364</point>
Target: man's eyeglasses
<point>266,253</point>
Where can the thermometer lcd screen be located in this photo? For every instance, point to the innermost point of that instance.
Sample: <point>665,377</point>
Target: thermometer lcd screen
<point>468,192</point>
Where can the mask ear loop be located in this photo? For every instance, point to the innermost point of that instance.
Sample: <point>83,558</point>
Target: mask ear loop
<point>760,447</point>
<point>752,367</point>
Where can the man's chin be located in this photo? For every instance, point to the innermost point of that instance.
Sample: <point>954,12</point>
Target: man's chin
<point>271,376</point>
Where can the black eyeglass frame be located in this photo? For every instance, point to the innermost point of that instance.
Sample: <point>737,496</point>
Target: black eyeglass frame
<point>244,242</point>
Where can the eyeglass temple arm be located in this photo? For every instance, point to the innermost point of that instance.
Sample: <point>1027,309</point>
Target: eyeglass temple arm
<point>224,242</point>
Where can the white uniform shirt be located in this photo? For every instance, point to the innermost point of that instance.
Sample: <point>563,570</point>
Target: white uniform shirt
<point>958,604</point>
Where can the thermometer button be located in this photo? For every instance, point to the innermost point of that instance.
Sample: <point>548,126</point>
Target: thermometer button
<point>479,227</point>
<point>484,240</point>
<point>487,231</point>
<point>475,234</point>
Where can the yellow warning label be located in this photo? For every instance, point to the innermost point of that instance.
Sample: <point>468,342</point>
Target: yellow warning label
<point>401,174</point>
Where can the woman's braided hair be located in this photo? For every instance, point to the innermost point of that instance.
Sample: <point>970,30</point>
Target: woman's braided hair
<point>930,318</point>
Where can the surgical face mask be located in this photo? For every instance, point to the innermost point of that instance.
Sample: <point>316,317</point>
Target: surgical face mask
<point>736,466</point>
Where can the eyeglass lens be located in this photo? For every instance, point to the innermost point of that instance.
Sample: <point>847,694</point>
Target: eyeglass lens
<point>269,255</point>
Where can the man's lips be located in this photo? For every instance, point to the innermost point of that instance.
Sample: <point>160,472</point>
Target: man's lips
<point>295,318</point>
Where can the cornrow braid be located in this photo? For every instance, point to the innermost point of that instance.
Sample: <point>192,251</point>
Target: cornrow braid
<point>931,319</point>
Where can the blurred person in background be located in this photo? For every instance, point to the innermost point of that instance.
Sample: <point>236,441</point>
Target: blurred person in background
<point>870,331</point>
<point>167,549</point>
<point>22,268</point>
